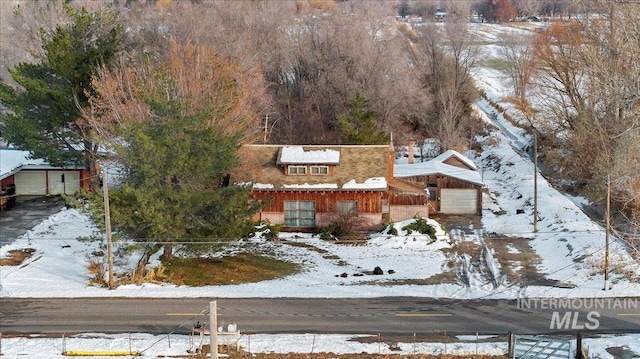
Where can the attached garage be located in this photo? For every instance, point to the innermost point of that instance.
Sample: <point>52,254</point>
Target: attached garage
<point>458,200</point>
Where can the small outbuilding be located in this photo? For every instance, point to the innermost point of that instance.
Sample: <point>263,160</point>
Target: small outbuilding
<point>22,175</point>
<point>451,180</point>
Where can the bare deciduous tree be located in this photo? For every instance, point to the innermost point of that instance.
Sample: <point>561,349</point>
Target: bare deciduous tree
<point>194,76</point>
<point>20,25</point>
<point>520,62</point>
<point>446,59</point>
<point>589,82</point>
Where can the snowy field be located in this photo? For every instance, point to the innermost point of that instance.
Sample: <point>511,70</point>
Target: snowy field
<point>569,244</point>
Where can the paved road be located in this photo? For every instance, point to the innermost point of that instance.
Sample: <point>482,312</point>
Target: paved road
<point>391,316</point>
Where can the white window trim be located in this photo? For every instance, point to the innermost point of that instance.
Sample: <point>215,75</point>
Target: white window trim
<point>297,172</point>
<point>318,172</point>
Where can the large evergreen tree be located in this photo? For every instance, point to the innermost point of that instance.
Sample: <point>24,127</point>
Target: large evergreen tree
<point>358,126</point>
<point>176,124</point>
<point>44,109</point>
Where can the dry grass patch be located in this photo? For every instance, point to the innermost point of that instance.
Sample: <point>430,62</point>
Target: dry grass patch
<point>236,269</point>
<point>17,256</point>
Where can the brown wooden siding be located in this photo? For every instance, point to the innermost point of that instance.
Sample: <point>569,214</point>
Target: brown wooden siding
<point>326,201</point>
<point>408,199</point>
<point>454,161</point>
<point>441,181</point>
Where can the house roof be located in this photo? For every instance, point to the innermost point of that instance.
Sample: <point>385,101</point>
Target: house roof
<point>436,166</point>
<point>354,167</point>
<point>13,161</point>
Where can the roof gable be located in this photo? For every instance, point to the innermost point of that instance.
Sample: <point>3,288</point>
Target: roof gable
<point>455,158</point>
<point>450,163</point>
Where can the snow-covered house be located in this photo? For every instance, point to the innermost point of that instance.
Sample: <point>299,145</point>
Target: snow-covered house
<point>22,175</point>
<point>451,179</point>
<point>305,187</point>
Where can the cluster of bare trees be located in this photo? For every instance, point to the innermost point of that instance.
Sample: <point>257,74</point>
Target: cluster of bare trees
<point>314,57</point>
<point>578,83</point>
<point>309,59</point>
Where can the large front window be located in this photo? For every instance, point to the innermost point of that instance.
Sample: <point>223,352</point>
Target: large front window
<point>299,214</point>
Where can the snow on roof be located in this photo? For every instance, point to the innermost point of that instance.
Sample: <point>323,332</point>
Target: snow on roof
<point>452,153</point>
<point>371,183</point>
<point>315,185</point>
<point>436,166</point>
<point>297,154</point>
<point>263,186</point>
<point>12,159</point>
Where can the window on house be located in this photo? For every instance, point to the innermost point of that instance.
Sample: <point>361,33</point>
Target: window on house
<point>299,214</point>
<point>348,208</point>
<point>319,170</point>
<point>297,170</point>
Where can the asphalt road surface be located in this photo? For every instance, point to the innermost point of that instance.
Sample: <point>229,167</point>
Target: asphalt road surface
<point>28,212</point>
<point>392,316</point>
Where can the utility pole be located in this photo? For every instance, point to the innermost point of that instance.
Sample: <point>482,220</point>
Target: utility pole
<point>607,221</point>
<point>213,321</point>
<point>107,224</point>
<point>535,183</point>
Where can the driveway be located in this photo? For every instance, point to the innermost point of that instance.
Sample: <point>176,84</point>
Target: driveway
<point>28,212</point>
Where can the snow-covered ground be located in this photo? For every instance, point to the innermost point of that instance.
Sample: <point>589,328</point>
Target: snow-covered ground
<point>569,244</point>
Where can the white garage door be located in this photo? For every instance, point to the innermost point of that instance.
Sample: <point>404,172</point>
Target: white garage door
<point>458,201</point>
<point>31,183</point>
<point>70,185</point>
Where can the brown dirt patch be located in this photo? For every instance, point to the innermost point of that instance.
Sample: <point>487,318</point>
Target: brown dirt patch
<point>17,256</point>
<point>518,260</point>
<point>304,245</point>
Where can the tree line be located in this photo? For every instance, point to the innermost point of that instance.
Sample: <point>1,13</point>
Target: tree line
<point>166,92</point>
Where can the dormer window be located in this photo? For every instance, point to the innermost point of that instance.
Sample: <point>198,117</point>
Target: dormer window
<point>298,161</point>
<point>320,170</point>
<point>297,170</point>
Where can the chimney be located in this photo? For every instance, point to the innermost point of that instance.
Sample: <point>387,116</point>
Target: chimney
<point>411,144</point>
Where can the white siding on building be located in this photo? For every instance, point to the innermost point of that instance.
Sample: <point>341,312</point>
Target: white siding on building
<point>458,201</point>
<point>31,183</point>
<point>70,185</point>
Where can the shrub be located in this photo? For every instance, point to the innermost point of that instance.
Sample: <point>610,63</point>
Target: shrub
<point>421,226</point>
<point>332,232</point>
<point>270,232</point>
<point>96,271</point>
